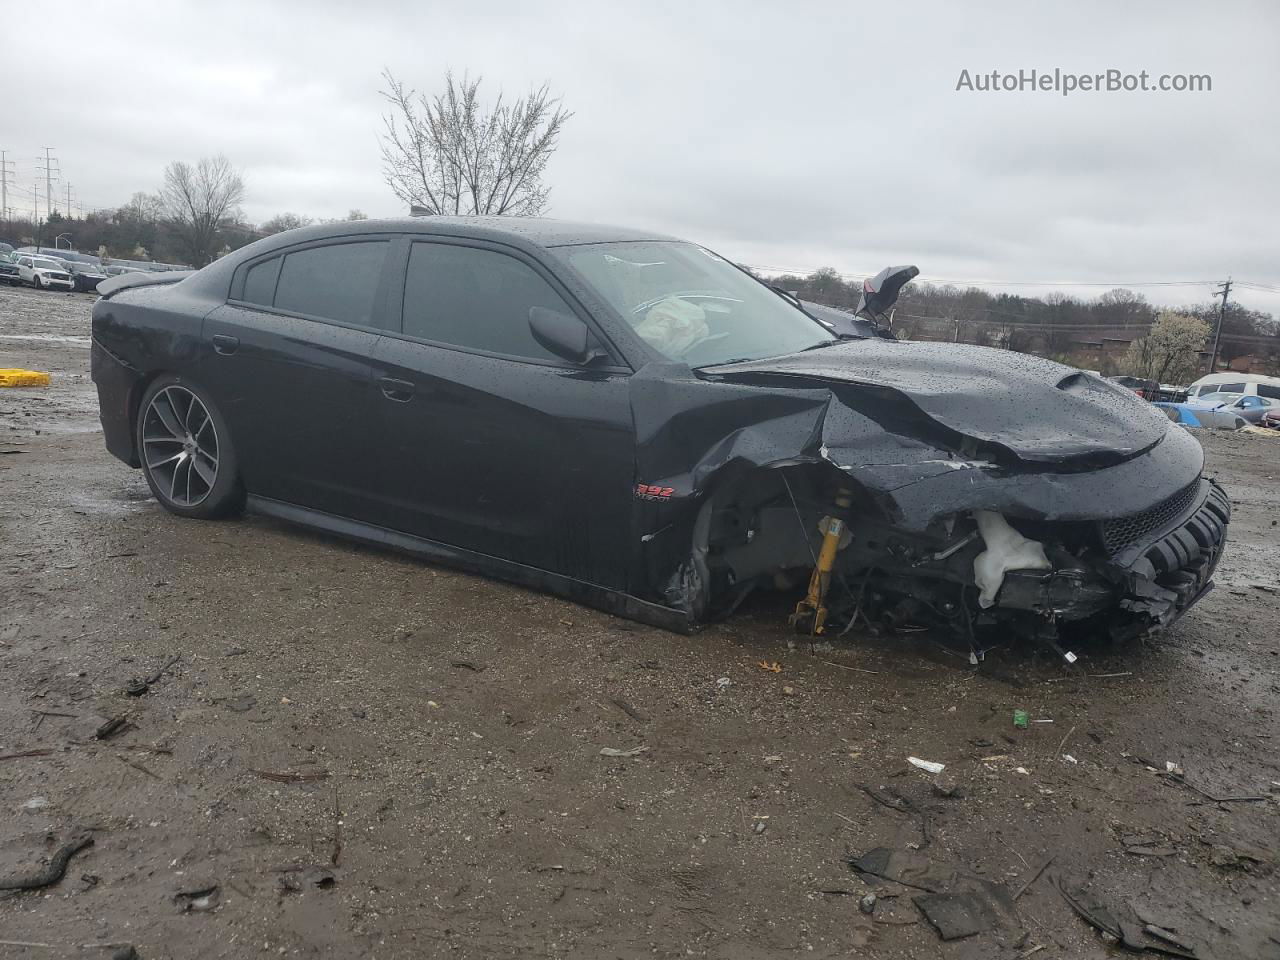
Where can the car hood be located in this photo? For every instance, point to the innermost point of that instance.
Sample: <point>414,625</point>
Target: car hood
<point>1038,410</point>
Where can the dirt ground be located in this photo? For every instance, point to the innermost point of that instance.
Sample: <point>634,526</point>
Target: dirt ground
<point>372,757</point>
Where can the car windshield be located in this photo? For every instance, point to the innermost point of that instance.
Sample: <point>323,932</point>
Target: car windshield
<point>692,305</point>
<point>1220,398</point>
<point>44,264</point>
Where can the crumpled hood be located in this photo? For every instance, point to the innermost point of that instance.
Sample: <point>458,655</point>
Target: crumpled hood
<point>1039,410</point>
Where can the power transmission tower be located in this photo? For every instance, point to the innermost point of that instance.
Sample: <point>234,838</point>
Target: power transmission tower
<point>1224,289</point>
<point>4,185</point>
<point>49,171</point>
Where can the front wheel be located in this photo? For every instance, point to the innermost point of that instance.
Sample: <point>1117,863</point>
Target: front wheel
<point>185,448</point>
<point>38,283</point>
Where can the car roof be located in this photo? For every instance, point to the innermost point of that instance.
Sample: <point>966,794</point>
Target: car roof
<point>519,231</point>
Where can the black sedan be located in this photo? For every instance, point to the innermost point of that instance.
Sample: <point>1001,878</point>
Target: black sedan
<point>87,276</point>
<point>636,423</point>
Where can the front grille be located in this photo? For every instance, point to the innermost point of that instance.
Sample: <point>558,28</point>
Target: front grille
<point>1126,531</point>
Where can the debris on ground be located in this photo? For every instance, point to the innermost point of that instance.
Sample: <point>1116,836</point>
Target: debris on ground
<point>615,752</point>
<point>946,786</point>
<point>956,903</point>
<point>1121,924</point>
<point>53,871</point>
<point>297,879</point>
<point>1021,719</point>
<point>928,766</point>
<point>959,915</point>
<point>111,727</point>
<point>199,899</point>
<point>288,777</point>
<point>629,710</point>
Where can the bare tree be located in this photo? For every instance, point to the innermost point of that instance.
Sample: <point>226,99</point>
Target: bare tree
<point>282,222</point>
<point>142,208</point>
<point>200,201</point>
<point>450,154</point>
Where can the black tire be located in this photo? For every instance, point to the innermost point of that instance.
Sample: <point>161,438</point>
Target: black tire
<point>37,282</point>
<point>185,448</point>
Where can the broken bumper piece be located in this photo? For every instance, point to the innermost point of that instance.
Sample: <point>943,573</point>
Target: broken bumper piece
<point>1165,564</point>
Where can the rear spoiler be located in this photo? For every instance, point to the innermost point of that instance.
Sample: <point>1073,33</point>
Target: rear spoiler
<point>110,287</point>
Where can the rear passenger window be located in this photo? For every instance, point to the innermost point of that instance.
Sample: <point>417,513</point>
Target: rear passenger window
<point>260,282</point>
<point>336,282</point>
<point>476,299</point>
<point>1228,388</point>
<point>1266,390</point>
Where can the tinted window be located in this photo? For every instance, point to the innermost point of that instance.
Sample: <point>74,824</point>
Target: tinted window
<point>476,299</point>
<point>1228,388</point>
<point>337,282</point>
<point>1266,390</point>
<point>260,282</point>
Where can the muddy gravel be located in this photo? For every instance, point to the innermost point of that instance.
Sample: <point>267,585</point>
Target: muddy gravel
<point>340,752</point>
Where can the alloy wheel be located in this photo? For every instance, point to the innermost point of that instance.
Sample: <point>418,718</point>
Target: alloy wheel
<point>180,445</point>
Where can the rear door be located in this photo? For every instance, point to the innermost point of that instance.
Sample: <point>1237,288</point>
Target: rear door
<point>486,440</point>
<point>287,358</point>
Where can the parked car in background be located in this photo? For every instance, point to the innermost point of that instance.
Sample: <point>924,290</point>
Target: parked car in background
<point>116,269</point>
<point>87,276</point>
<point>1190,415</point>
<point>9,270</point>
<point>1146,389</point>
<point>1251,409</point>
<point>1245,384</point>
<point>1271,418</point>
<point>44,273</point>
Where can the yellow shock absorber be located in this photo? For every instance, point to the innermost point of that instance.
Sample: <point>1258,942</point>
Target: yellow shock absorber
<point>812,609</point>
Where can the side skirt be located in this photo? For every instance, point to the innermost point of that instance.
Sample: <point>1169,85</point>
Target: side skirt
<point>589,594</point>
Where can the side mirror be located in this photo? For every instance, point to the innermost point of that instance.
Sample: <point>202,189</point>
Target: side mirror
<point>564,335</point>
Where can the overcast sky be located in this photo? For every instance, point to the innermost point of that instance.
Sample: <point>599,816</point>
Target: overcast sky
<point>794,135</point>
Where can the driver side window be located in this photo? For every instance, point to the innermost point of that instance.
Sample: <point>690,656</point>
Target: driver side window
<point>476,299</point>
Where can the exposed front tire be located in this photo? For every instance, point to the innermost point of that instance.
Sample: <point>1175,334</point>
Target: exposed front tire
<point>37,282</point>
<point>185,448</point>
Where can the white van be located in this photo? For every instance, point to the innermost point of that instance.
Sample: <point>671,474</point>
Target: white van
<point>1245,384</point>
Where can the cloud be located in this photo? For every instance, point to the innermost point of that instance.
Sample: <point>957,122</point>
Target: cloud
<point>801,135</point>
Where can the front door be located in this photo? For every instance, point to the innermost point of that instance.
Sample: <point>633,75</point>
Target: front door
<point>488,442</point>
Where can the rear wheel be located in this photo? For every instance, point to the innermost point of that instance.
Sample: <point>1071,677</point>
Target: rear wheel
<point>185,448</point>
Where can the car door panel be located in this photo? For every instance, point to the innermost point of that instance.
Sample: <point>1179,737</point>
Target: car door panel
<point>527,462</point>
<point>296,394</point>
<point>517,456</point>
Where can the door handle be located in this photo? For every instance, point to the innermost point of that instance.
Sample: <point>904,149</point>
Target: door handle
<point>399,390</point>
<point>225,345</point>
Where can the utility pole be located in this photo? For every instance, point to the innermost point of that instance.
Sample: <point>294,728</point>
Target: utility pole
<point>68,199</point>
<point>1224,289</point>
<point>4,185</point>
<point>49,161</point>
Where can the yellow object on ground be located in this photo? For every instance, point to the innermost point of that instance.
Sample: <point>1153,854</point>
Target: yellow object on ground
<point>13,377</point>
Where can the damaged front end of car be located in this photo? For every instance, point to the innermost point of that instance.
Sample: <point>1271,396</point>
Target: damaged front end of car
<point>971,490</point>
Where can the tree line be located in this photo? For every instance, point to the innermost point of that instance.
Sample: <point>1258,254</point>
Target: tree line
<point>1055,325</point>
<point>194,217</point>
